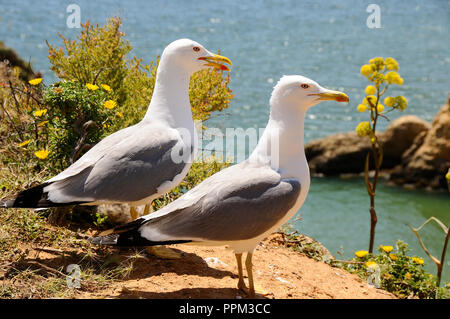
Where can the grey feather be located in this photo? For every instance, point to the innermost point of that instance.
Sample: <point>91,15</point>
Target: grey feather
<point>238,203</point>
<point>124,167</point>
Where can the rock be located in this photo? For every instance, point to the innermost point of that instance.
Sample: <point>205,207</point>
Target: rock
<point>26,72</point>
<point>345,153</point>
<point>428,159</point>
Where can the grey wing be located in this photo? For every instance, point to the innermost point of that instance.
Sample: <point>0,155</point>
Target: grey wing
<point>240,204</point>
<point>130,170</point>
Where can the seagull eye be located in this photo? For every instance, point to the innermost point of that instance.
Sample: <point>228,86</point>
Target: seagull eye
<point>196,49</point>
<point>304,86</point>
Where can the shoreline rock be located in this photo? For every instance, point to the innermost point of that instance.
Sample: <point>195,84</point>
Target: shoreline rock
<point>416,153</point>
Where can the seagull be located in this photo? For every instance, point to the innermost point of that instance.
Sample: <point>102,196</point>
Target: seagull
<point>142,162</point>
<point>244,203</point>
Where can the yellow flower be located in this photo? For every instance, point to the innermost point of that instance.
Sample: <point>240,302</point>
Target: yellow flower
<point>35,81</point>
<point>393,257</point>
<point>363,129</point>
<point>119,114</point>
<point>418,260</point>
<point>408,276</point>
<point>391,64</point>
<point>42,154</point>
<point>362,108</point>
<point>24,143</point>
<point>394,78</point>
<point>39,113</point>
<point>361,253</point>
<point>402,102</point>
<point>447,176</point>
<point>42,123</point>
<point>370,264</point>
<point>110,104</point>
<point>371,98</point>
<point>389,101</point>
<point>370,90</point>
<point>106,125</point>
<point>387,249</point>
<point>106,87</point>
<point>366,70</point>
<point>91,87</point>
<point>380,108</point>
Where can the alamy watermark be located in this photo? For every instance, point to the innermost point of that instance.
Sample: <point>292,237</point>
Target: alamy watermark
<point>74,18</point>
<point>73,278</point>
<point>374,19</point>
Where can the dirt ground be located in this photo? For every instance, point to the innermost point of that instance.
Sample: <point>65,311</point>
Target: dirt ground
<point>211,272</point>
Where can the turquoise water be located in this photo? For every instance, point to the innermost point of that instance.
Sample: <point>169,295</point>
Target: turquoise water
<point>327,41</point>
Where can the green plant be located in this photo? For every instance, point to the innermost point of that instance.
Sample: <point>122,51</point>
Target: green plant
<point>399,273</point>
<point>439,262</point>
<point>382,73</point>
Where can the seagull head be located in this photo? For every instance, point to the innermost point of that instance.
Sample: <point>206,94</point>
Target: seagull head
<point>192,56</point>
<point>302,93</point>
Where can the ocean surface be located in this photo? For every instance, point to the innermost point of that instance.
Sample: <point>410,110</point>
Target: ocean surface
<point>327,41</point>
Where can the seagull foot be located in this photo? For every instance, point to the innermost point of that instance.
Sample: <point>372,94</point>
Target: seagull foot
<point>162,252</point>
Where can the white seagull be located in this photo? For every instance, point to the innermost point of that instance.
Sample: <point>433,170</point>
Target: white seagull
<point>142,162</point>
<point>242,204</point>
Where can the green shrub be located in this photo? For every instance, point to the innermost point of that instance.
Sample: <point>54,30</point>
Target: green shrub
<point>400,274</point>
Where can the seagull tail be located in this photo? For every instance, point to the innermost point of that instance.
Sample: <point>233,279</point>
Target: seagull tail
<point>128,235</point>
<point>34,197</point>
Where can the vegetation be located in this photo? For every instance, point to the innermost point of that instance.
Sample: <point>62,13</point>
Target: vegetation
<point>396,272</point>
<point>382,73</point>
<point>45,128</point>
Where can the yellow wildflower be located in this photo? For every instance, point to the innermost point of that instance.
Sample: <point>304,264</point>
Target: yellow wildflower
<point>391,64</point>
<point>408,276</point>
<point>447,176</point>
<point>106,125</point>
<point>24,143</point>
<point>91,87</point>
<point>119,114</point>
<point>370,90</point>
<point>39,113</point>
<point>110,104</point>
<point>389,101</point>
<point>361,253</point>
<point>402,102</point>
<point>362,108</point>
<point>370,264</point>
<point>394,78</point>
<point>366,70</point>
<point>42,123</point>
<point>42,154</point>
<point>371,98</point>
<point>35,81</point>
<point>106,87</point>
<point>393,257</point>
<point>380,108</point>
<point>418,260</point>
<point>387,249</point>
<point>363,129</point>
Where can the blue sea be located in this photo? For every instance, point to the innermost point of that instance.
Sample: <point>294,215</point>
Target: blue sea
<point>327,41</point>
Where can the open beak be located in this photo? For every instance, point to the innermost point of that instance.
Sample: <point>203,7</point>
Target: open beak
<point>215,61</point>
<point>330,95</point>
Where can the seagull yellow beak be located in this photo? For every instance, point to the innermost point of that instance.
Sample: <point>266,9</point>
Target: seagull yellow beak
<point>215,60</point>
<point>332,96</point>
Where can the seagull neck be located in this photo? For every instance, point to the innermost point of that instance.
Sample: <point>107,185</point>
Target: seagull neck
<point>170,100</point>
<point>282,143</point>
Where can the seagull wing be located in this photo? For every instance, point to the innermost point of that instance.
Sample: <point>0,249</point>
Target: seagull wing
<point>129,166</point>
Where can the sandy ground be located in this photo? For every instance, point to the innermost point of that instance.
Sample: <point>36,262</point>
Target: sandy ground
<point>205,272</point>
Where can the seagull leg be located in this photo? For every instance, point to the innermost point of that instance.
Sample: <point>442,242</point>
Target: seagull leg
<point>133,213</point>
<point>241,282</point>
<point>249,266</point>
<point>160,251</point>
